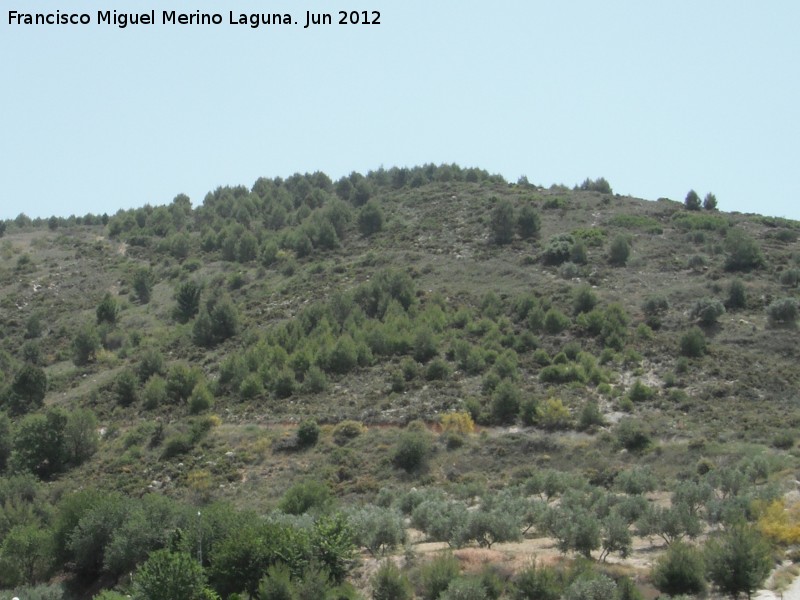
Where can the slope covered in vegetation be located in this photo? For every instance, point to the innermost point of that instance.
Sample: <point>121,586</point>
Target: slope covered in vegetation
<point>268,380</point>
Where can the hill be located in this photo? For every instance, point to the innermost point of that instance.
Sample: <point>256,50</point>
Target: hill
<point>366,346</point>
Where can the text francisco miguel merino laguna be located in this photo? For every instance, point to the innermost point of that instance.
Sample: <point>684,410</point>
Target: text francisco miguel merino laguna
<point>172,17</point>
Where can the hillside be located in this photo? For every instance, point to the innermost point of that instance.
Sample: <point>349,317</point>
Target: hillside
<point>412,336</point>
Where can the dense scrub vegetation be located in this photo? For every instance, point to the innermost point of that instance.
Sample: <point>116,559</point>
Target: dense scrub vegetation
<point>283,391</point>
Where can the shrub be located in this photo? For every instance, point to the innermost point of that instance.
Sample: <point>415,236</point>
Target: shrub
<point>437,369</point>
<point>632,435</point>
<point>347,430</point>
<point>26,555</point>
<point>187,297</point>
<point>411,451</point>
<point>107,310</point>
<point>554,415</point>
<point>459,422</point>
<point>85,345</point>
<point>306,496</point>
<point>142,283</point>
<point>201,399</point>
<point>555,321</point>
<point>707,311</point>
<point>537,583</point>
<point>595,587</point>
<point>370,219</point>
<point>790,277</point>
<point>465,588</point>
<point>217,321</point>
<point>737,295</point>
<point>502,222</point>
<point>693,343</point>
<point>155,392</point>
<point>528,222</point>
<point>584,299</point>
<point>639,392</point>
<point>559,249</point>
<point>389,583</point>
<point>590,416</point>
<point>738,561</point>
<point>308,433</point>
<point>680,570</point>
<point>125,387</point>
<point>619,251</point>
<point>783,311</point>
<point>434,577</point>
<point>505,402</point>
<point>744,253</point>
<point>169,575</point>
<point>277,584</point>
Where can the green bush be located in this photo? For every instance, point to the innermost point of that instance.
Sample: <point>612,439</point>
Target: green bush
<point>389,583</point>
<point>142,283</point>
<point>528,222</point>
<point>370,219</point>
<point>187,298</point>
<point>632,435</point>
<point>169,575</point>
<point>306,496</point>
<point>277,584</point>
<point>782,312</point>
<point>584,299</point>
<point>505,403</point>
<point>201,399</point>
<point>27,391</point>
<point>107,310</point>
<point>619,251</point>
<point>155,392</point>
<point>412,450</point>
<point>640,392</point>
<point>126,388</point>
<point>435,576</point>
<point>559,249</point>
<point>437,369</point>
<point>465,588</point>
<point>693,343</point>
<point>707,311</point>
<point>738,561</point>
<point>537,583</point>
<point>744,253</point>
<point>307,433</point>
<point>737,295</point>
<point>680,570</point>
<point>85,344</point>
<point>555,321</point>
<point>594,587</point>
<point>502,221</point>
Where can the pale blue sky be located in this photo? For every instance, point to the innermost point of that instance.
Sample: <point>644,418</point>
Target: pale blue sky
<point>657,98</point>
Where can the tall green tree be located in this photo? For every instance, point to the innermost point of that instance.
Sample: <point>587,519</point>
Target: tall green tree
<point>28,390</point>
<point>39,444</point>
<point>692,201</point>
<point>187,297</point>
<point>738,561</point>
<point>503,222</point>
<point>169,576</point>
<point>108,309</point>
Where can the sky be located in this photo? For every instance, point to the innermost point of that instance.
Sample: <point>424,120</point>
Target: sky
<point>657,97</point>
